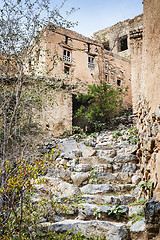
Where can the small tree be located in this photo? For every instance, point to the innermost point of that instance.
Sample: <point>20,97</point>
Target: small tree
<point>21,22</point>
<point>99,106</point>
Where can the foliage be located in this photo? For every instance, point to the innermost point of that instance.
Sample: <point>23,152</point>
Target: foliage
<point>131,135</point>
<point>117,211</point>
<point>99,106</point>
<point>21,23</point>
<point>17,214</point>
<point>93,176</point>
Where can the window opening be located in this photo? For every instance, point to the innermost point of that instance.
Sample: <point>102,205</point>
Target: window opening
<point>91,64</point>
<point>123,44</point>
<point>89,47</point>
<point>118,82</point>
<point>66,39</point>
<point>106,78</point>
<point>67,55</point>
<point>66,70</point>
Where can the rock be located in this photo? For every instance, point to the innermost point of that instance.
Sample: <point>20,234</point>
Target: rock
<point>88,211</point>
<point>117,167</point>
<point>136,210</point>
<point>96,188</point>
<point>65,175</point>
<point>97,199</point>
<point>104,146</point>
<point>106,178</point>
<point>83,168</point>
<point>149,143</point>
<point>137,230</point>
<point>88,152</point>
<point>79,177</point>
<point>67,190</point>
<point>127,198</point>
<point>121,158</point>
<point>116,231</point>
<point>103,168</point>
<point>68,146</point>
<point>68,156</point>
<point>129,167</point>
<point>136,179</point>
<point>124,187</point>
<point>89,160</point>
<point>111,153</point>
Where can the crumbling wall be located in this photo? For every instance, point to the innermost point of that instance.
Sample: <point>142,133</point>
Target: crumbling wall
<point>149,101</point>
<point>119,31</point>
<point>55,113</point>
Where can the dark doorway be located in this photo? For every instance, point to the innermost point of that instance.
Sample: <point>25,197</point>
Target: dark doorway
<point>78,121</point>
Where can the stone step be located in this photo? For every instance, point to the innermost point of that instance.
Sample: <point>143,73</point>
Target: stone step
<point>96,189</point>
<point>102,199</point>
<point>92,211</point>
<point>95,160</point>
<point>111,230</point>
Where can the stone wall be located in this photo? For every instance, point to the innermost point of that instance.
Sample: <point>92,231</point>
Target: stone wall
<point>136,41</point>
<point>146,94</point>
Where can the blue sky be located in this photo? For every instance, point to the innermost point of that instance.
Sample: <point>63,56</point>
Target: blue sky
<point>95,15</point>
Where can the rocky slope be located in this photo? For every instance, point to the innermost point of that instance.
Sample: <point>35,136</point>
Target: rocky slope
<point>94,187</point>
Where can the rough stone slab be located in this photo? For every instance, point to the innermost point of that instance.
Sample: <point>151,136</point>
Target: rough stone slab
<point>126,199</point>
<point>124,187</point>
<point>112,231</point>
<point>110,153</point>
<point>103,168</point>
<point>83,168</point>
<point>89,160</point>
<point>138,230</point>
<point>96,188</point>
<point>67,190</point>
<point>104,146</point>
<point>79,177</point>
<point>88,211</point>
<point>129,158</point>
<point>68,146</point>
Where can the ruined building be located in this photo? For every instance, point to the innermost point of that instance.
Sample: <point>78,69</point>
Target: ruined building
<point>117,37</point>
<point>73,61</point>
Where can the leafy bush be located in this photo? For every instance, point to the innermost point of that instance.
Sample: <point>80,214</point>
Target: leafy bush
<point>99,106</point>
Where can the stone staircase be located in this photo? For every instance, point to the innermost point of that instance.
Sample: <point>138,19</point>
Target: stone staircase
<point>94,188</point>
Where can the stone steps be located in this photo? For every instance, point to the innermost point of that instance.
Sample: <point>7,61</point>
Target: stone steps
<point>97,183</point>
<point>111,230</point>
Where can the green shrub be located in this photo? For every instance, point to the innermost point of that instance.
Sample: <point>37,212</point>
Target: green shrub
<point>99,106</point>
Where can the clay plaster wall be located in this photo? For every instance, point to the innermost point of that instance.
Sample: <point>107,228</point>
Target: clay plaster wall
<point>53,64</point>
<point>115,33</point>
<point>55,115</point>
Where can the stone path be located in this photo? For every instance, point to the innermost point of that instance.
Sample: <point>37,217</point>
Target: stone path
<point>94,187</point>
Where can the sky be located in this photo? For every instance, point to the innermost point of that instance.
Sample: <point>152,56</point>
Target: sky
<point>94,15</point>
